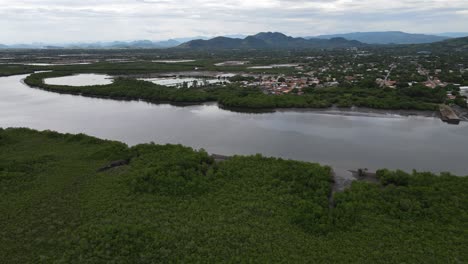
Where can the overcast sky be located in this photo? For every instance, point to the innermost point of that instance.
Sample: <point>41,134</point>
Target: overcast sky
<point>56,21</point>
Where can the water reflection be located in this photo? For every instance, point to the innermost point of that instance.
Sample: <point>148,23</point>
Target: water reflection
<point>347,142</point>
<point>183,82</point>
<point>80,80</point>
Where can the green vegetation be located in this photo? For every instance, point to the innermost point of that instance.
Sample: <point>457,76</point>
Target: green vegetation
<point>233,96</point>
<point>8,70</point>
<point>174,204</point>
<point>417,98</point>
<point>125,89</point>
<point>338,77</point>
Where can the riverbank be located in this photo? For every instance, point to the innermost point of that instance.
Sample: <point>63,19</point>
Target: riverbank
<point>333,110</point>
<point>362,111</point>
<point>236,97</point>
<point>354,111</point>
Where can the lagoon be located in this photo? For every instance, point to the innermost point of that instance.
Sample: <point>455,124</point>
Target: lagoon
<point>80,80</point>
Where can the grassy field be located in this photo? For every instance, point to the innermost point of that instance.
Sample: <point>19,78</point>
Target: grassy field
<point>174,204</point>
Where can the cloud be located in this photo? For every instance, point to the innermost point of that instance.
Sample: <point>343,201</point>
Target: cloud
<point>86,20</point>
<point>462,12</point>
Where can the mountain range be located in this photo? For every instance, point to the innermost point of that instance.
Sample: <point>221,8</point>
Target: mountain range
<point>387,37</point>
<point>265,40</point>
<point>138,44</point>
<point>269,40</point>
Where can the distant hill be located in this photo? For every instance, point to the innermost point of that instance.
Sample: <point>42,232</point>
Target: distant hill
<point>263,40</point>
<point>187,39</point>
<point>453,34</point>
<point>138,44</point>
<point>387,37</point>
<point>456,44</point>
<point>24,46</point>
<point>142,44</point>
<point>169,43</point>
<point>269,40</point>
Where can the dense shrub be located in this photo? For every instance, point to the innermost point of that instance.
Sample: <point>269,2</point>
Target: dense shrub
<point>174,204</point>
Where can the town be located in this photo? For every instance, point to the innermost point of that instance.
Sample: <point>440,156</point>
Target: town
<point>365,69</point>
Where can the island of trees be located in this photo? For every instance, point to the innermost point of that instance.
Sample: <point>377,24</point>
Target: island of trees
<point>235,96</point>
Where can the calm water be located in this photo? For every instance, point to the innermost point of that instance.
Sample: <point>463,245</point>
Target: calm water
<point>173,61</point>
<point>179,81</point>
<point>347,142</point>
<point>274,66</point>
<point>80,80</point>
<point>231,63</point>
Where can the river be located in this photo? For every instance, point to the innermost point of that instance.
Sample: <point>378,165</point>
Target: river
<point>343,141</point>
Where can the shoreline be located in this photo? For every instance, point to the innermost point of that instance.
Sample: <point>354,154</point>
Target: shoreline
<point>363,111</point>
<point>333,110</point>
<point>353,111</point>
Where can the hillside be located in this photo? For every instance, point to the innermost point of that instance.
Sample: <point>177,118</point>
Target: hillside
<point>449,45</point>
<point>263,40</point>
<point>387,37</point>
<point>457,44</point>
<point>142,44</point>
<point>61,203</point>
<point>269,40</point>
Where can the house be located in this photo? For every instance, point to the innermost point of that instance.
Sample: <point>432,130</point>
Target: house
<point>430,84</point>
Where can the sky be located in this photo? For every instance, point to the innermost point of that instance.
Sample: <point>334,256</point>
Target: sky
<point>64,21</point>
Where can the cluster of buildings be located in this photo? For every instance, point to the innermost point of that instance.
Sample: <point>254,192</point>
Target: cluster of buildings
<point>434,82</point>
<point>283,85</point>
<point>386,83</point>
<point>329,71</point>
